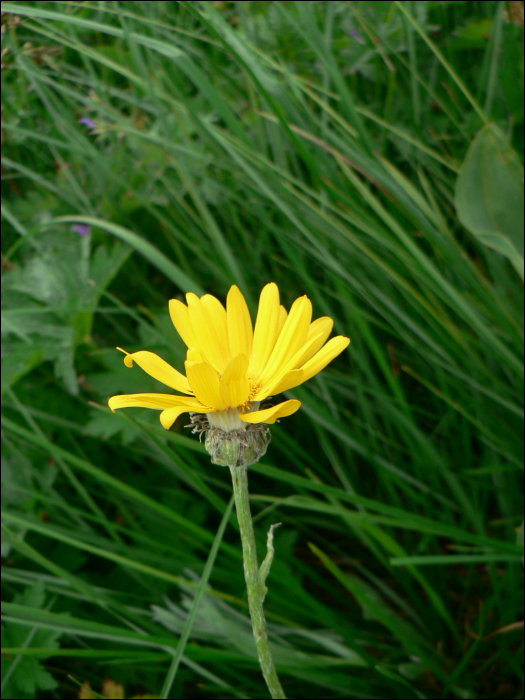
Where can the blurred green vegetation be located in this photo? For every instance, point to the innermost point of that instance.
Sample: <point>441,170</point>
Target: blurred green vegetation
<point>367,154</point>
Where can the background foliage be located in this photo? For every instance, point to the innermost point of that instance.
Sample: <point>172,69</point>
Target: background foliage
<point>367,154</point>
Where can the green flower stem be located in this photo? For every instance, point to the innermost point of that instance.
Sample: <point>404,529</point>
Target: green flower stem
<point>254,585</point>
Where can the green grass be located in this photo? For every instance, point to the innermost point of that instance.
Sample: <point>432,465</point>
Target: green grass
<point>316,145</point>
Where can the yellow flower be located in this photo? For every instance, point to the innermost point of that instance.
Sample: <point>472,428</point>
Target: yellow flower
<point>230,367</point>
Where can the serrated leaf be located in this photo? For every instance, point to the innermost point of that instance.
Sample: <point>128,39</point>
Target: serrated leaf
<point>65,369</point>
<point>16,475</point>
<point>52,297</point>
<point>105,264</point>
<point>17,482</point>
<point>106,425</point>
<point>17,360</point>
<point>473,35</point>
<point>57,275</point>
<point>28,676</point>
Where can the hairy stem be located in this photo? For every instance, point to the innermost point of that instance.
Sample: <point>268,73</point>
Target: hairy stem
<point>254,584</point>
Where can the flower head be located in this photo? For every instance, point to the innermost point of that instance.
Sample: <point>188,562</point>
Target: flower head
<point>86,121</point>
<point>230,366</point>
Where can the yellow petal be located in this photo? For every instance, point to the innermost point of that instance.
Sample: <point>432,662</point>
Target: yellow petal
<point>157,368</point>
<point>318,332</point>
<point>283,315</point>
<point>266,329</point>
<point>291,338</point>
<point>240,329</point>
<point>170,415</point>
<point>332,349</point>
<point>270,415</point>
<point>289,381</point>
<point>217,315</point>
<point>233,386</point>
<point>181,320</point>
<point>204,381</point>
<point>269,387</point>
<point>321,327</point>
<point>159,401</point>
<point>206,336</point>
<point>194,355</point>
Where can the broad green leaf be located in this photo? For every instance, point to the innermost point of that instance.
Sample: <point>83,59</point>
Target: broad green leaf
<point>489,194</point>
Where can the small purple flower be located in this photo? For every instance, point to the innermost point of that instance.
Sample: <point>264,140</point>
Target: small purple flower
<point>356,36</point>
<point>87,122</point>
<point>81,229</point>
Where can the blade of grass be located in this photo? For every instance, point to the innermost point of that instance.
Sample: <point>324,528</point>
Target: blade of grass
<point>201,534</point>
<point>183,639</point>
<point>453,559</point>
<point>145,248</point>
<point>455,77</point>
<point>166,49</point>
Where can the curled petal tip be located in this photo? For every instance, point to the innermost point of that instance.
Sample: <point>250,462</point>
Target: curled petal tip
<point>128,360</point>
